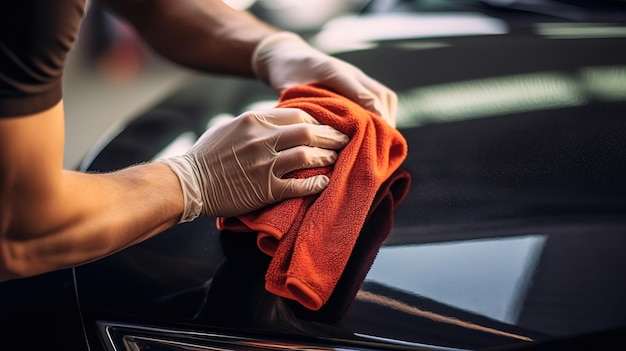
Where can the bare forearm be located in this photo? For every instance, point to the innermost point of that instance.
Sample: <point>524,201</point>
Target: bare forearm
<point>90,216</point>
<point>206,35</point>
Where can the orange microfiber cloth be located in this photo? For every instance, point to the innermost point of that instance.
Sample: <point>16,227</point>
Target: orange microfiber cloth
<point>310,239</point>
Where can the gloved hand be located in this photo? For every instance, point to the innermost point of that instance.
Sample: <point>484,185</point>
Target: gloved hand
<point>236,167</point>
<point>284,59</point>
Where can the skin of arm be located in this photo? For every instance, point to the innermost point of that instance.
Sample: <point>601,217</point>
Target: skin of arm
<point>205,35</point>
<point>52,218</point>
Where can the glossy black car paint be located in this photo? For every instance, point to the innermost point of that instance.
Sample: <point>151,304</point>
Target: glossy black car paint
<point>548,175</point>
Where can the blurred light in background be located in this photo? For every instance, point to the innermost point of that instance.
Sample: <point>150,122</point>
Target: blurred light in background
<point>261,105</point>
<point>580,30</point>
<point>419,45</point>
<point>359,32</point>
<point>304,15</point>
<point>607,83</point>
<point>507,95</point>
<point>178,146</point>
<point>487,97</point>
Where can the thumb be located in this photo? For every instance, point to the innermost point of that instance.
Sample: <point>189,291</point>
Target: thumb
<point>294,187</point>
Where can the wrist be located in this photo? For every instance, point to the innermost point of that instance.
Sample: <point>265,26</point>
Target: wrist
<point>265,48</point>
<point>188,175</point>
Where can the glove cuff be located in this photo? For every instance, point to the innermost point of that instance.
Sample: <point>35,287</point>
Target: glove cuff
<point>263,51</point>
<point>188,174</point>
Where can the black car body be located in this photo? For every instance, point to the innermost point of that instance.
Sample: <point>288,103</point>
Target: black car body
<point>511,236</point>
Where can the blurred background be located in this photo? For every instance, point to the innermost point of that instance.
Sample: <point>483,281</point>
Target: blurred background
<point>111,76</point>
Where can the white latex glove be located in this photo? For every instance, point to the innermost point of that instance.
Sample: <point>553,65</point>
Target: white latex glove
<point>236,167</point>
<point>284,59</point>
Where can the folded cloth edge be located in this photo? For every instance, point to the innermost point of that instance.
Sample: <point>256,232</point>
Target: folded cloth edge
<point>298,290</point>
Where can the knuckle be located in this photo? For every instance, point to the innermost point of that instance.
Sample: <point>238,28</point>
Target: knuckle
<point>304,116</point>
<point>303,156</point>
<point>250,118</point>
<point>307,134</point>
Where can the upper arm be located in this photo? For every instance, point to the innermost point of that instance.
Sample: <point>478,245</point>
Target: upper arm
<point>35,38</point>
<point>31,164</point>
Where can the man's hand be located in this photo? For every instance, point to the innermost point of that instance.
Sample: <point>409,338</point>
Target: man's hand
<point>236,167</point>
<point>283,60</point>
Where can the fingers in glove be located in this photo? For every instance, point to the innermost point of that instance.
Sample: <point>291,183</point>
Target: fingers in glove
<point>293,187</point>
<point>321,136</point>
<point>381,99</point>
<point>294,127</point>
<point>364,90</point>
<point>284,116</point>
<point>303,157</point>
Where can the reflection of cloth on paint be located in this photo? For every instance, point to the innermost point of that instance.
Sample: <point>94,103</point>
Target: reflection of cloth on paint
<point>311,238</point>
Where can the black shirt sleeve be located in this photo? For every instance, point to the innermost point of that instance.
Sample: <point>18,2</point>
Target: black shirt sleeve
<point>35,37</point>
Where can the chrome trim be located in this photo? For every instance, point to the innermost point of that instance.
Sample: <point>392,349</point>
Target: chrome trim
<point>408,343</point>
<point>120,337</point>
<point>130,337</point>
